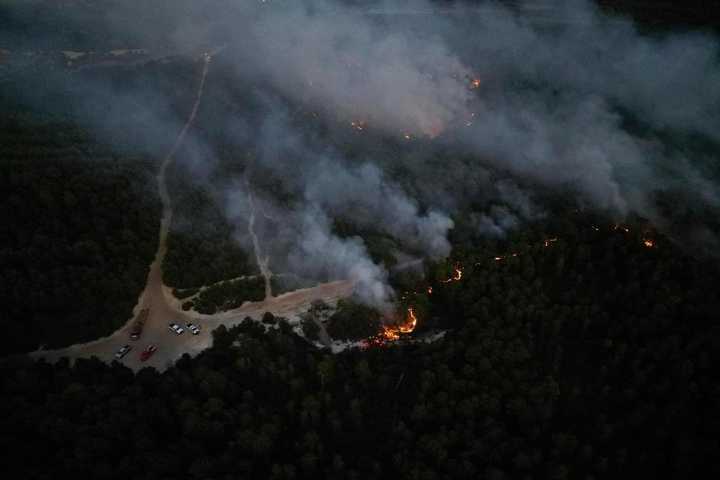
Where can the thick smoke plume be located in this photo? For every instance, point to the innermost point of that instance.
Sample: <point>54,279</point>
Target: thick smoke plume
<point>489,104</point>
<point>549,104</point>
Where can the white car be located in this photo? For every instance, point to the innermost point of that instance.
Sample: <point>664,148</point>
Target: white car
<point>177,329</point>
<point>194,329</point>
<point>123,351</point>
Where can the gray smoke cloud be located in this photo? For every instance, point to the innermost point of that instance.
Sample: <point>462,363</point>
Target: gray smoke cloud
<point>346,64</point>
<point>555,102</point>
<point>551,109</point>
<point>366,196</point>
<point>552,102</point>
<point>301,240</point>
<point>319,251</point>
<point>573,100</point>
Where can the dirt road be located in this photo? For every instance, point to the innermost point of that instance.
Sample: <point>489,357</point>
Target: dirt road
<point>164,308</point>
<point>263,262</point>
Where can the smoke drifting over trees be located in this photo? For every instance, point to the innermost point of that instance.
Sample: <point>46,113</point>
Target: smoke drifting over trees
<point>582,103</point>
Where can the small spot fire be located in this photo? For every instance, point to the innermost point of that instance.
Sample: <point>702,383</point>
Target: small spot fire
<point>394,332</point>
<point>391,333</point>
<point>623,228</point>
<point>456,276</point>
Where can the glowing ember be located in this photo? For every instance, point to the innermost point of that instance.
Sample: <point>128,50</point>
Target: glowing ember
<point>649,243</point>
<point>621,227</point>
<point>503,257</point>
<point>457,276</point>
<point>550,240</point>
<point>390,334</point>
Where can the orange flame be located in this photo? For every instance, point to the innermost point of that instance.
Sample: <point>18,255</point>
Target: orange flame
<point>391,333</point>
<point>649,243</point>
<point>410,322</point>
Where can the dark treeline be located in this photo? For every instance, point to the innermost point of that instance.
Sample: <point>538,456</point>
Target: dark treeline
<point>590,358</point>
<point>79,229</point>
<point>203,246</point>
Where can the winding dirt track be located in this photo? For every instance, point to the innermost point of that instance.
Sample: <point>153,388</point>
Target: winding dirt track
<point>165,308</point>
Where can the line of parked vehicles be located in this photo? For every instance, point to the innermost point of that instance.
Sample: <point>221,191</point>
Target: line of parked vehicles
<point>144,355</point>
<point>136,331</point>
<point>178,330</point>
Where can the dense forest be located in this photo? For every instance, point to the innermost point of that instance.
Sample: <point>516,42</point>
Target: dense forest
<point>202,244</point>
<point>80,224</point>
<point>592,357</point>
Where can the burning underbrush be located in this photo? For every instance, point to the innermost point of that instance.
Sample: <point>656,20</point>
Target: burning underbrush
<point>391,332</point>
<point>405,320</point>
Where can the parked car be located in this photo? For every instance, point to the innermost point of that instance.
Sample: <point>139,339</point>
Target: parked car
<point>177,329</point>
<point>123,351</point>
<point>148,352</point>
<point>194,329</point>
